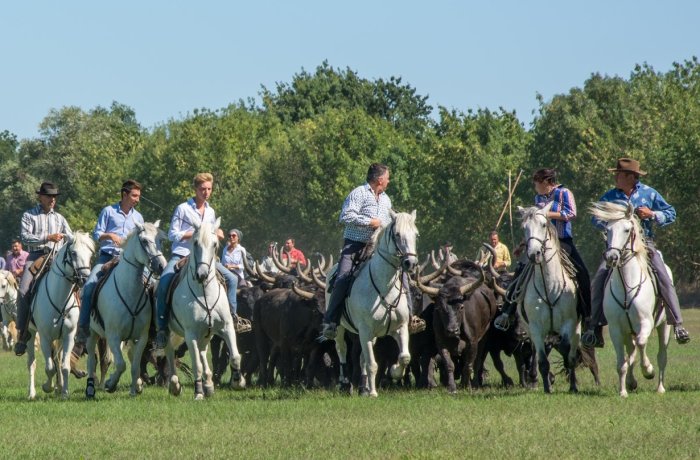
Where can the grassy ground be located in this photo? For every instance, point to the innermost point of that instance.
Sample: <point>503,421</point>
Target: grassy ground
<point>490,423</point>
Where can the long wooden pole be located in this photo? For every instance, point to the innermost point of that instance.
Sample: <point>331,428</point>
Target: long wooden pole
<point>510,196</point>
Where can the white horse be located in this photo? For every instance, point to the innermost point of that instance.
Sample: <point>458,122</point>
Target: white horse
<point>8,298</point>
<point>199,310</point>
<point>55,311</point>
<point>377,304</point>
<point>125,307</point>
<point>630,297</point>
<point>549,295</point>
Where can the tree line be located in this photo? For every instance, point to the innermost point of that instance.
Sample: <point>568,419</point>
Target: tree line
<point>283,166</point>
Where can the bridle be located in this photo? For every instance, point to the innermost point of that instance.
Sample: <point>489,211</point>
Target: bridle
<point>146,247</point>
<point>69,260</point>
<point>197,263</point>
<point>626,252</point>
<point>543,243</point>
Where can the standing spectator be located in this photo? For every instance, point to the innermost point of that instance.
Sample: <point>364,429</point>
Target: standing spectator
<point>17,259</point>
<point>503,260</point>
<point>295,256</point>
<point>267,263</point>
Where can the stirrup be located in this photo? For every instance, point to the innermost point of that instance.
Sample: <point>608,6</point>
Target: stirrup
<point>682,336</point>
<point>588,339</point>
<point>416,325</point>
<point>329,332</point>
<point>242,325</point>
<point>502,322</point>
<point>162,338</point>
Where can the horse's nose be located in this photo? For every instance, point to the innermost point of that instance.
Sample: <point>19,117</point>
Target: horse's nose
<point>409,264</point>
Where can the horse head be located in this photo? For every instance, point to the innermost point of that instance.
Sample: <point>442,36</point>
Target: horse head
<point>624,238</point>
<point>205,243</point>
<point>75,256</point>
<point>403,234</point>
<point>8,285</point>
<point>147,252</point>
<point>538,232</point>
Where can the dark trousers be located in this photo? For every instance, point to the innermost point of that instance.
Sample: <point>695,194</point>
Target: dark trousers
<point>583,279</point>
<point>666,289</point>
<point>25,283</point>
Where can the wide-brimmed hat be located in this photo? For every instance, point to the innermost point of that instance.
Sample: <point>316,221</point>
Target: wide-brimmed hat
<point>628,165</point>
<point>48,188</point>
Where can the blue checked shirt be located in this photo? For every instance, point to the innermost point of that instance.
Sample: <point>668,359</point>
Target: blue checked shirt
<point>564,203</point>
<point>359,208</point>
<point>181,223</point>
<point>113,220</point>
<point>37,225</point>
<point>643,195</point>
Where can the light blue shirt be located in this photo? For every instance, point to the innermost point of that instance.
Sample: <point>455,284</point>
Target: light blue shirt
<point>234,257</point>
<point>643,195</point>
<point>181,223</point>
<point>113,220</point>
<point>359,208</point>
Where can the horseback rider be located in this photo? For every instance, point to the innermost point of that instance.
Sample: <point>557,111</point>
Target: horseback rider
<point>562,212</point>
<point>365,210</point>
<point>651,208</point>
<point>180,233</point>
<point>114,224</point>
<point>43,230</point>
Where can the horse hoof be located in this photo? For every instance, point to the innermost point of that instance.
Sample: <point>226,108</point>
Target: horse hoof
<point>47,387</point>
<point>90,389</point>
<point>175,388</point>
<point>364,391</point>
<point>139,386</point>
<point>346,387</point>
<point>208,390</point>
<point>373,394</point>
<point>648,373</point>
<point>199,397</point>
<point>239,384</point>
<point>65,396</point>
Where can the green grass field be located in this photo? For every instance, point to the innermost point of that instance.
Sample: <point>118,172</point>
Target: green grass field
<point>489,423</point>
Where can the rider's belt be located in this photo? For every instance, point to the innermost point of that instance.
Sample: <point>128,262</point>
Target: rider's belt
<point>40,252</point>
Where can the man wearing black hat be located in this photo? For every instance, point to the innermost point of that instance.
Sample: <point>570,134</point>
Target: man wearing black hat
<point>651,208</point>
<point>43,230</point>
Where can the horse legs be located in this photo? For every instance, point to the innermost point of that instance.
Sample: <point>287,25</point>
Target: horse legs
<point>115,342</point>
<point>64,361</point>
<point>642,339</point>
<point>664,332</point>
<point>197,368</point>
<point>137,353</point>
<point>49,365</point>
<point>237,379</point>
<point>342,348</point>
<point>174,386</point>
<point>542,359</point>
<point>91,366</point>
<point>401,337</point>
<point>370,364</point>
<point>569,353</point>
<point>31,366</point>
<point>208,383</point>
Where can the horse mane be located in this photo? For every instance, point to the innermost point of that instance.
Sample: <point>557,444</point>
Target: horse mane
<point>11,280</point>
<point>529,213</point>
<point>403,223</point>
<point>609,211</point>
<point>82,239</point>
<point>205,234</point>
<point>150,228</point>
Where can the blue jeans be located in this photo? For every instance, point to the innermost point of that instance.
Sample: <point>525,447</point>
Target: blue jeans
<point>163,309</point>
<point>89,289</point>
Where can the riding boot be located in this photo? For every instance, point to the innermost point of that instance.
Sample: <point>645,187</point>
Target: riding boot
<point>507,316</point>
<point>335,307</point>
<point>23,335</point>
<point>416,324</point>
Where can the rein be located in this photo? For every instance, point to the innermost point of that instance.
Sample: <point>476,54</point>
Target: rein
<point>63,311</point>
<point>204,284</point>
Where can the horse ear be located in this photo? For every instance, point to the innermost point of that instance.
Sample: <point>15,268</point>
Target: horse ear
<point>157,223</point>
<point>392,213</point>
<point>217,224</point>
<point>139,226</point>
<point>413,215</point>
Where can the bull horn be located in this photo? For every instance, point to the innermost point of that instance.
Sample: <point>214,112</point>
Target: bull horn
<point>304,274</point>
<point>246,266</point>
<point>453,271</point>
<point>322,261</point>
<point>302,293</point>
<point>498,289</point>
<point>431,291</point>
<point>276,259</point>
<point>428,278</point>
<point>436,265</point>
<point>317,281</point>
<point>468,288</point>
<point>263,276</point>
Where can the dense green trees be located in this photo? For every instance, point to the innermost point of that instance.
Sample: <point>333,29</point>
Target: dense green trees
<point>284,167</point>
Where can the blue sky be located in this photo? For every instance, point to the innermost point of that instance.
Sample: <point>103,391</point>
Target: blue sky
<point>166,58</point>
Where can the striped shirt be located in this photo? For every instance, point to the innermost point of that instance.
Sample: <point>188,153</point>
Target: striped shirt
<point>359,208</point>
<point>181,223</point>
<point>563,202</point>
<point>643,195</point>
<point>113,220</point>
<point>37,225</point>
